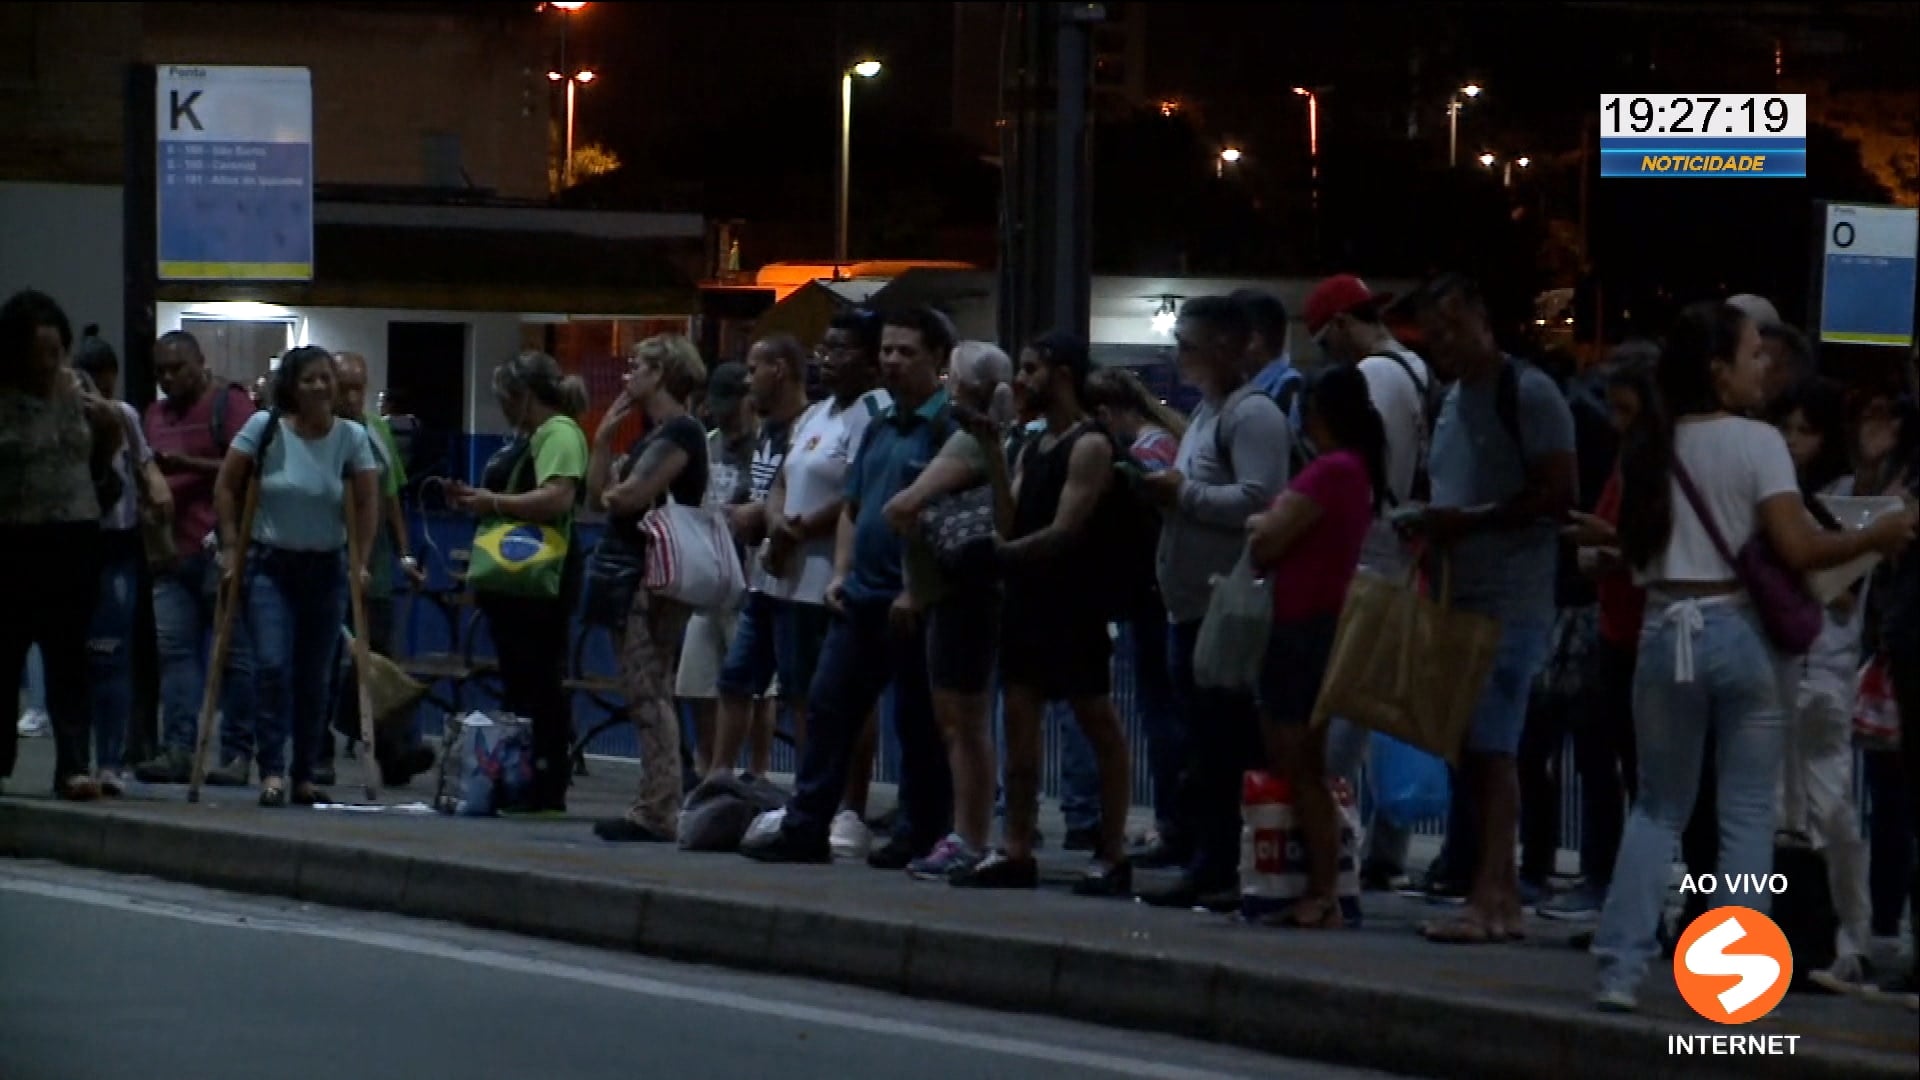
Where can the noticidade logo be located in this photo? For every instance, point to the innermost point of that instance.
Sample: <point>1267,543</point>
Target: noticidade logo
<point>1733,965</point>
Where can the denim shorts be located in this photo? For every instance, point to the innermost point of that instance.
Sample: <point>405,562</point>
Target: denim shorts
<point>1297,657</point>
<point>774,637</point>
<point>1502,712</point>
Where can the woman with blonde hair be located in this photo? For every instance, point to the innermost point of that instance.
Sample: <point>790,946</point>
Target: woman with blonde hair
<point>669,461</point>
<point>537,481</point>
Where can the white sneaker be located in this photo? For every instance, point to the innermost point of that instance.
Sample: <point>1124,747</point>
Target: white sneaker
<point>849,838</point>
<point>1847,975</point>
<point>34,723</point>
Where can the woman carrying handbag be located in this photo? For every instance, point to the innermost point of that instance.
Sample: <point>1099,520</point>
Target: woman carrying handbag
<point>670,462</point>
<point>525,568</point>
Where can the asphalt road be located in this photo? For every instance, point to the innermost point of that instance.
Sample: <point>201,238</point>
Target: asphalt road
<point>105,977</point>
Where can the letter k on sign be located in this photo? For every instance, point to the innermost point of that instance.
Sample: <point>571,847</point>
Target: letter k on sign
<point>1733,965</point>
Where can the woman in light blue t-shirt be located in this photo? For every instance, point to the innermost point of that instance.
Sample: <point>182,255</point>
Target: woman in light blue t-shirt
<point>296,572</point>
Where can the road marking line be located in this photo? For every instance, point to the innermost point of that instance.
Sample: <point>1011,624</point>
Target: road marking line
<point>632,984</point>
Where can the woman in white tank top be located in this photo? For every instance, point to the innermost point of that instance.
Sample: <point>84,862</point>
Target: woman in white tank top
<point>1704,658</point>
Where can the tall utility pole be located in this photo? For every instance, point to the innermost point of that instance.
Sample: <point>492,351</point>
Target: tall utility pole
<point>1045,251</point>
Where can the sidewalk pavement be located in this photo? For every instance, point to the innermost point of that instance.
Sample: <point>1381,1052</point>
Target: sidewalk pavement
<point>1378,997</point>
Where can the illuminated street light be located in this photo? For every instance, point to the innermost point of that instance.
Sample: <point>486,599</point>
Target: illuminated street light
<point>1469,91</point>
<point>579,79</point>
<point>1523,162</point>
<point>865,69</point>
<point>1487,160</point>
<point>1231,155</point>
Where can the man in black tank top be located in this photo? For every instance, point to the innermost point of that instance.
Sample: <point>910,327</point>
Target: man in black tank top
<point>1054,639</point>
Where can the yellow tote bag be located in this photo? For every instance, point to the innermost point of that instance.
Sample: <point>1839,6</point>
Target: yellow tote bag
<point>1407,665</point>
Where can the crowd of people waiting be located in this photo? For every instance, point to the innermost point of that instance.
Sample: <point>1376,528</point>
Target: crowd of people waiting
<point>1595,516</point>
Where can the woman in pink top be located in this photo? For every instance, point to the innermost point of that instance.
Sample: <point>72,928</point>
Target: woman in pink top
<point>1308,543</point>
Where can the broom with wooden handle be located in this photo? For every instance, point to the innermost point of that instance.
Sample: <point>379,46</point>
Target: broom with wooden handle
<point>361,669</point>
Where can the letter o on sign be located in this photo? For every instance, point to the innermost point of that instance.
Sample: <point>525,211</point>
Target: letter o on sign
<point>1843,234</point>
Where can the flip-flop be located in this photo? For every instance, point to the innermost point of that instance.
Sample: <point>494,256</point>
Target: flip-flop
<point>1461,930</point>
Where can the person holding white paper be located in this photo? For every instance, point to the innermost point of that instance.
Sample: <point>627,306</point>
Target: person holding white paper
<point>1817,780</point>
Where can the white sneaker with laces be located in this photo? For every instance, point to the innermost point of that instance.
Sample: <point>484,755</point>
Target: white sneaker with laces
<point>34,723</point>
<point>849,836</point>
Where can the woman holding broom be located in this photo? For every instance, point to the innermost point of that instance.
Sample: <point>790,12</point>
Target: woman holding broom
<point>295,563</point>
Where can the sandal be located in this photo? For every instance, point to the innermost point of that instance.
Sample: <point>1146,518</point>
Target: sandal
<point>1309,913</point>
<point>1462,930</point>
<point>273,794</point>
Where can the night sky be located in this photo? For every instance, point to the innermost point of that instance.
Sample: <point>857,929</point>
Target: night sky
<point>731,109</point>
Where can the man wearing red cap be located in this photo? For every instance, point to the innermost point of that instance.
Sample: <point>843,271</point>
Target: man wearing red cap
<point>1344,317</point>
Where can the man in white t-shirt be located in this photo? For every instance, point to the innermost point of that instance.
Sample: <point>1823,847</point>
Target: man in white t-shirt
<point>790,574</point>
<point>1343,315</point>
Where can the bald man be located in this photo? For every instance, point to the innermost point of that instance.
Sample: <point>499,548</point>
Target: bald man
<point>350,403</point>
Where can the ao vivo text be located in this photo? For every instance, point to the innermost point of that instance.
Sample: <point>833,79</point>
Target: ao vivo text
<point>1744,884</point>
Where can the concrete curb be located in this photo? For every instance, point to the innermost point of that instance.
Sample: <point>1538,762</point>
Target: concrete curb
<point>1420,1031</point>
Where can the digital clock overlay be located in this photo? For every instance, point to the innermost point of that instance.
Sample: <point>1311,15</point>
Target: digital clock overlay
<point>1697,135</point>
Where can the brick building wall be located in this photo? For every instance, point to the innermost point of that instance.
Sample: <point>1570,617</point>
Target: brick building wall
<point>419,97</point>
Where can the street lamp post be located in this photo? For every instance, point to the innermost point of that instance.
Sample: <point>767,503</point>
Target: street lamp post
<point>1471,90</point>
<point>1228,156</point>
<point>578,79</point>
<point>1507,166</point>
<point>1313,128</point>
<point>567,9</point>
<point>866,69</point>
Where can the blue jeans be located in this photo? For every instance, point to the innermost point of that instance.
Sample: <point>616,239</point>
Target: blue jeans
<point>110,648</point>
<point>33,686</point>
<point>183,617</point>
<point>1144,640</point>
<point>1079,772</point>
<point>1348,747</point>
<point>1733,690</point>
<point>862,655</point>
<point>296,601</point>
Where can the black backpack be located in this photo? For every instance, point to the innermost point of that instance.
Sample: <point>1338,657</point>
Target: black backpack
<point>1432,395</point>
<point>217,425</point>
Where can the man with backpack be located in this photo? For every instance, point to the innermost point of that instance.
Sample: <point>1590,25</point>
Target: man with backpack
<point>1344,317</point>
<point>190,428</point>
<point>1231,464</point>
<point>1504,480</point>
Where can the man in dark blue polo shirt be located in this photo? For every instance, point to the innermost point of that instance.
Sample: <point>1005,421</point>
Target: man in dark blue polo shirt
<point>878,637</point>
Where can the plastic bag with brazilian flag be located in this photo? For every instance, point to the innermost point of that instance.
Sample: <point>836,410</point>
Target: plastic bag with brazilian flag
<point>519,558</point>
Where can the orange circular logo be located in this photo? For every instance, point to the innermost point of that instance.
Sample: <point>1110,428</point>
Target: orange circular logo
<point>1733,965</point>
